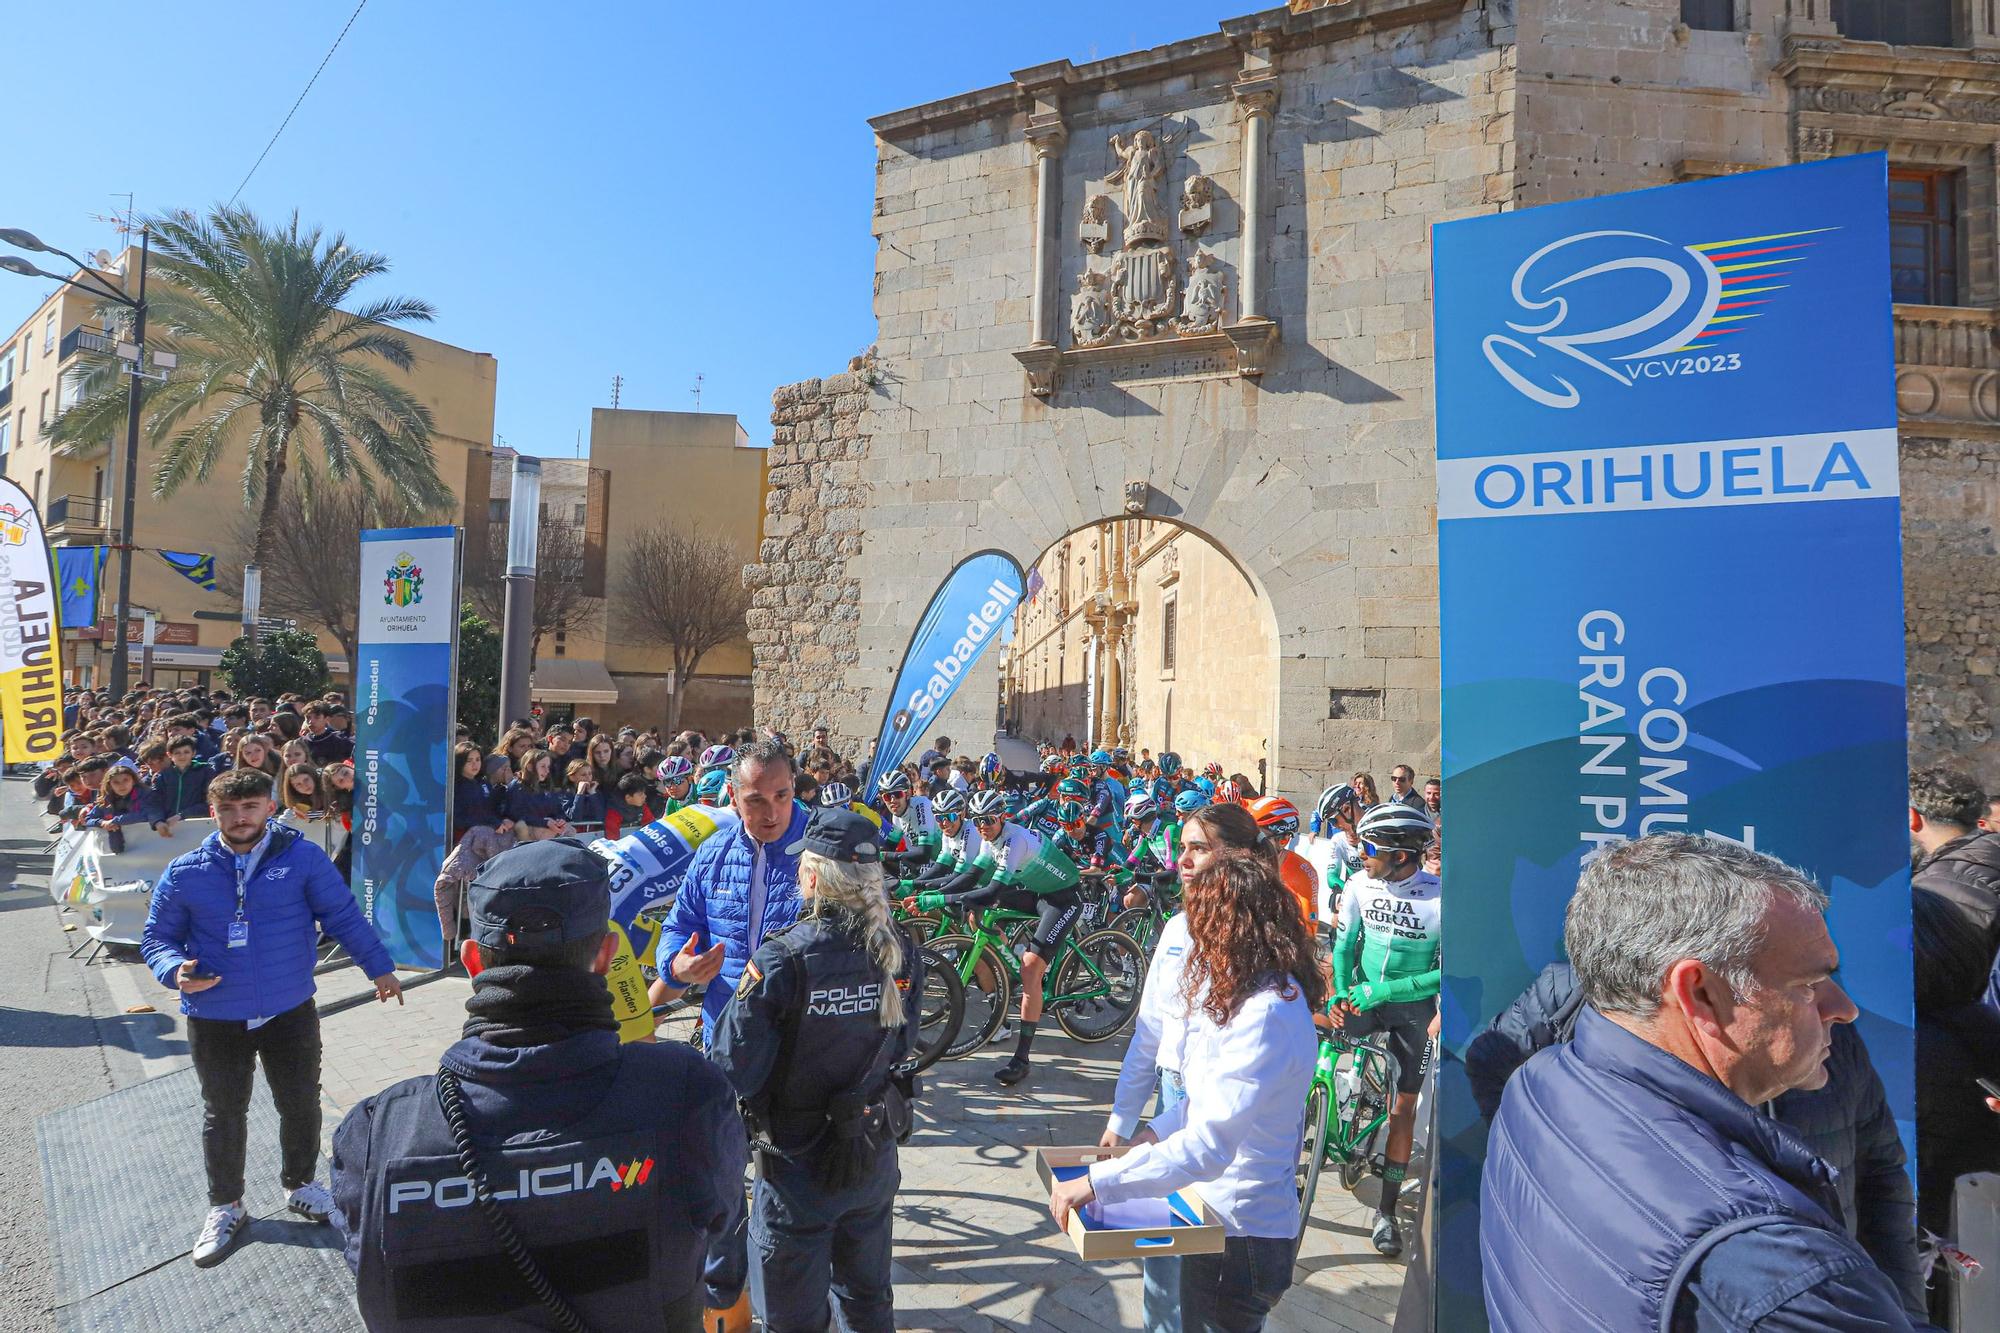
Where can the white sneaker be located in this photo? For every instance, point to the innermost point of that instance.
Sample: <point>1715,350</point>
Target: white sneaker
<point>310,1201</point>
<point>218,1233</point>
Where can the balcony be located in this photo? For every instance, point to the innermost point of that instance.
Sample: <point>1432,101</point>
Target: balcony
<point>78,516</point>
<point>81,339</point>
<point>1948,365</point>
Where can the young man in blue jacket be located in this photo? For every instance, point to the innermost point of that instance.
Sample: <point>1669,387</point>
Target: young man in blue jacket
<point>233,927</point>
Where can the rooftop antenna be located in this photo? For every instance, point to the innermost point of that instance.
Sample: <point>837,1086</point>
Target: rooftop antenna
<point>696,391</point>
<point>617,387</point>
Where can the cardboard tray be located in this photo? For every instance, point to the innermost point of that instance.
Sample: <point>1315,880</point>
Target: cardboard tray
<point>1098,1242</point>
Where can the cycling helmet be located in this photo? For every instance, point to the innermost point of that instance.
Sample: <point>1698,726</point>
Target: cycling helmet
<point>1276,816</point>
<point>1170,763</point>
<point>1121,755</point>
<point>1206,786</point>
<point>987,804</point>
<point>947,804</point>
<point>1073,789</point>
<point>1072,814</point>
<point>1231,794</point>
<point>1188,802</point>
<point>1211,770</point>
<point>1163,792</point>
<point>989,767</point>
<point>1396,825</point>
<point>1333,798</point>
<point>674,768</point>
<point>1100,758</point>
<point>717,756</point>
<point>896,784</point>
<point>712,786</point>
<point>1055,763</point>
<point>835,793</point>
<point>1141,806</point>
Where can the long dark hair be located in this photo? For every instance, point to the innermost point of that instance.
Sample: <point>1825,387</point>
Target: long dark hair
<point>1247,932</point>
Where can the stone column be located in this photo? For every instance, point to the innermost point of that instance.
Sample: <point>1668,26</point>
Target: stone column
<point>1046,135</point>
<point>1257,99</point>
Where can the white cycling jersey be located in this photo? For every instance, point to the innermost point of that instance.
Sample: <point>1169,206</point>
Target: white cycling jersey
<point>964,848</point>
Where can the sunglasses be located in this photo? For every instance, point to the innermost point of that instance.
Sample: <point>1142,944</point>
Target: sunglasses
<point>983,820</point>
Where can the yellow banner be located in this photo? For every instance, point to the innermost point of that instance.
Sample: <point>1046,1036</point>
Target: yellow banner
<point>30,643</point>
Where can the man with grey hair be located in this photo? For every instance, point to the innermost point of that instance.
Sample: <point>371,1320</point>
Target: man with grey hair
<point>1631,1182</point>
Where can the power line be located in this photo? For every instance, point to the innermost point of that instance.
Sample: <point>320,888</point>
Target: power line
<point>302,97</point>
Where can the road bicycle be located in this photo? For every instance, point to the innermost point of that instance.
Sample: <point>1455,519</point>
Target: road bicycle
<point>1347,1112</point>
<point>1144,922</point>
<point>1092,985</point>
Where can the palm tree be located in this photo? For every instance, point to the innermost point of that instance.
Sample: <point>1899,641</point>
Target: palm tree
<point>269,358</point>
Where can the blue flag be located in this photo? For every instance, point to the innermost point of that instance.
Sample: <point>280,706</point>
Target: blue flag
<point>965,615</point>
<point>191,565</point>
<point>78,568</point>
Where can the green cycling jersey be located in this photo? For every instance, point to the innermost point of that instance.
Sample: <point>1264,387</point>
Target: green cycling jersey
<point>1386,949</point>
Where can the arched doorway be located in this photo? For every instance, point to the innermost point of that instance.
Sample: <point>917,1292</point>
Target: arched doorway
<point>1144,633</point>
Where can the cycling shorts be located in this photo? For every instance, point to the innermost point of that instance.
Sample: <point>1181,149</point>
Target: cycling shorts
<point>1407,1026</point>
<point>1058,913</point>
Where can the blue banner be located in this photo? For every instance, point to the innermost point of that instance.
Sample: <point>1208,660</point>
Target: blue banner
<point>965,615</point>
<point>1671,582</point>
<point>80,573</point>
<point>197,567</point>
<point>405,714</point>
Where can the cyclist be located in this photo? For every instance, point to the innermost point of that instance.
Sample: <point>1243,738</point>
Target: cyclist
<point>1019,872</point>
<point>1279,820</point>
<point>990,771</point>
<point>958,847</point>
<point>1333,818</point>
<point>840,796</point>
<point>1104,795</point>
<point>712,787</point>
<point>1153,845</point>
<point>1210,780</point>
<point>715,759</point>
<point>1073,839</point>
<point>909,816</point>
<point>1386,975</point>
<point>676,778</point>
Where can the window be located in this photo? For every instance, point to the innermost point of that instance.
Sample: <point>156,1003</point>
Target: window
<point>36,493</point>
<point>1897,22</point>
<point>1062,565</point>
<point>1709,15</point>
<point>27,346</point>
<point>5,431</point>
<point>1923,236</point>
<point>43,419</point>
<point>71,391</point>
<point>496,510</point>
<point>7,368</point>
<point>49,334</point>
<point>582,513</point>
<point>562,643</point>
<point>1170,616</point>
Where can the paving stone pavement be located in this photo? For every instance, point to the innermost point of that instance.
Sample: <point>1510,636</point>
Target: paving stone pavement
<point>975,1249</point>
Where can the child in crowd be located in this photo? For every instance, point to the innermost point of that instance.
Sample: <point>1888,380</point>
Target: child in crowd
<point>337,786</point>
<point>584,808</point>
<point>301,793</point>
<point>534,802</point>
<point>631,808</point>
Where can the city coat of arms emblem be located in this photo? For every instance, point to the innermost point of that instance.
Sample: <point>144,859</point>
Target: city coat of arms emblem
<point>403,585</point>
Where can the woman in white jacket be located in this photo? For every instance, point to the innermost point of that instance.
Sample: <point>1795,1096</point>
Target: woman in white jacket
<point>1154,1056</point>
<point>1250,983</point>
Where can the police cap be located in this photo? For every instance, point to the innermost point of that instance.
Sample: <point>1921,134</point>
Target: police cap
<point>839,834</point>
<point>540,894</point>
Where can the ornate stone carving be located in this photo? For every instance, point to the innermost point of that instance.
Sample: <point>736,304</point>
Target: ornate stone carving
<point>1254,339</point>
<point>1144,285</point>
<point>1041,362</point>
<point>1135,496</point>
<point>1197,200</point>
<point>1815,144</point>
<point>1090,318</point>
<point>1142,170</point>
<point>1095,228</point>
<point>1201,306</point>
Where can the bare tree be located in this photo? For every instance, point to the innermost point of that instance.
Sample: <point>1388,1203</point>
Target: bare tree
<point>560,601</point>
<point>312,557</point>
<point>682,590</point>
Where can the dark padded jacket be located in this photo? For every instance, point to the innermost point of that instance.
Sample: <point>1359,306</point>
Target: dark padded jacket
<point>1847,1123</point>
<point>1965,873</point>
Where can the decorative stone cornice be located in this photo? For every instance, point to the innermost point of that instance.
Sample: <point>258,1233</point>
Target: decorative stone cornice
<point>1948,369</point>
<point>1241,349</point>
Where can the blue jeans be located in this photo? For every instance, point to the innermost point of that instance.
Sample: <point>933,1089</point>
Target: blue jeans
<point>1163,1275</point>
<point>1231,1292</point>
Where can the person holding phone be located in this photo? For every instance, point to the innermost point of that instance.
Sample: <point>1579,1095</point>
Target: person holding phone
<point>233,926</point>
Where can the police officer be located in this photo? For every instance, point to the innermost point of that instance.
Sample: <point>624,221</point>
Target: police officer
<point>546,1176</point>
<point>823,1013</point>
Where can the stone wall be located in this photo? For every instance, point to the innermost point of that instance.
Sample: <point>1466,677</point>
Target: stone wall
<point>1951,593</point>
<point>804,604</point>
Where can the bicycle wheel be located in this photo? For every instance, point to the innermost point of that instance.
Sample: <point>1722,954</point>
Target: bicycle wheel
<point>1375,1076</point>
<point>941,1011</point>
<point>1106,972</point>
<point>1141,925</point>
<point>1312,1152</point>
<point>922,925</point>
<point>985,997</point>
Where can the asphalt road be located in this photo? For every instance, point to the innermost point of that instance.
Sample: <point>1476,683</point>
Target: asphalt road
<point>63,1040</point>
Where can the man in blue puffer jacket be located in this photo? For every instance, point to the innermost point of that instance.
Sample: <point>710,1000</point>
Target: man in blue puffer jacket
<point>233,926</point>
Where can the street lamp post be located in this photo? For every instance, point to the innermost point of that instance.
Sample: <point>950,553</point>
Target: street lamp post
<point>134,355</point>
<point>517,629</point>
<point>253,601</point>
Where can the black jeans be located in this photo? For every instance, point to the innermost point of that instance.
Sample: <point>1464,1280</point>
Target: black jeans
<point>1231,1292</point>
<point>225,1055</point>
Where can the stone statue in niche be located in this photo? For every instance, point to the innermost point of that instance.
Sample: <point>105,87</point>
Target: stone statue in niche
<point>1095,229</point>
<point>1144,285</point>
<point>1201,307</point>
<point>1090,321</point>
<point>1142,170</point>
<point>1197,198</point>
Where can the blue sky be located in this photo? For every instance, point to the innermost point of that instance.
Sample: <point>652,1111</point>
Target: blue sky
<point>588,189</point>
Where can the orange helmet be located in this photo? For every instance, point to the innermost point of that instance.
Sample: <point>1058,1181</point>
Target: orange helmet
<point>1229,794</point>
<point>1278,817</point>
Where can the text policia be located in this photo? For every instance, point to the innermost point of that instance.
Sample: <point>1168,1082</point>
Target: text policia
<point>1617,811</point>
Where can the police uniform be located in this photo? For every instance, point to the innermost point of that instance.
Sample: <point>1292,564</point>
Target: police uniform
<point>616,1166</point>
<point>802,1032</point>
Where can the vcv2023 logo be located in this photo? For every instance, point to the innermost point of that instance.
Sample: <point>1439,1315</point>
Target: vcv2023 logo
<point>1630,306</point>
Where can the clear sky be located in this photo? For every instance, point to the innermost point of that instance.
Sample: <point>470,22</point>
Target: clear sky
<point>653,190</point>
